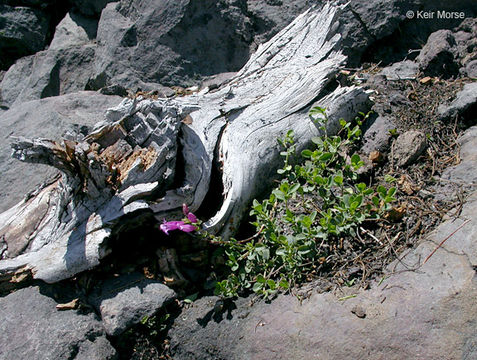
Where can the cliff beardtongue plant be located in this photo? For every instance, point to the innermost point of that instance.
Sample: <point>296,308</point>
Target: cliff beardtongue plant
<point>318,204</point>
<point>186,225</point>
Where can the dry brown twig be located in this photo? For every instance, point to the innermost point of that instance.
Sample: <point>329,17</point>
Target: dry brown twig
<point>443,241</point>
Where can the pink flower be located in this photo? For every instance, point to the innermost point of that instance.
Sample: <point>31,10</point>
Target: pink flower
<point>185,209</point>
<point>187,228</point>
<point>192,218</point>
<point>180,225</point>
<point>170,225</point>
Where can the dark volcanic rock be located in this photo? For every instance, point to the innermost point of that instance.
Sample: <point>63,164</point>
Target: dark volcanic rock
<point>90,8</point>
<point>408,147</point>
<point>437,56</point>
<point>177,42</point>
<point>74,30</point>
<point>50,73</point>
<point>270,16</point>
<point>463,174</point>
<point>411,34</point>
<point>403,70</point>
<point>471,69</point>
<point>23,32</point>
<point>464,104</point>
<point>64,68</point>
<point>126,300</point>
<point>48,118</point>
<point>32,328</point>
<point>377,135</point>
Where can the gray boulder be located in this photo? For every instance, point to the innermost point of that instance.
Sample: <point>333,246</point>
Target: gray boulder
<point>408,147</point>
<point>64,68</point>
<point>463,174</point>
<point>471,69</point>
<point>437,57</point>
<point>269,17</point>
<point>403,70</point>
<point>377,135</point>
<point>32,328</point>
<point>90,8</point>
<point>22,32</point>
<point>47,73</point>
<point>40,4</point>
<point>74,30</point>
<point>49,118</point>
<point>464,102</point>
<point>191,39</point>
<point>124,301</point>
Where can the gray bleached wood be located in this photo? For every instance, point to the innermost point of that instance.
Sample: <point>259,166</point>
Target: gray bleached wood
<point>127,164</point>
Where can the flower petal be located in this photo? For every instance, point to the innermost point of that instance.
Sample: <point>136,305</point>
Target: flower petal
<point>171,225</point>
<point>192,218</point>
<point>185,209</point>
<point>187,228</point>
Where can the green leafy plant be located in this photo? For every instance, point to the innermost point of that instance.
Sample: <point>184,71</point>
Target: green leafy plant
<point>155,324</point>
<point>318,202</point>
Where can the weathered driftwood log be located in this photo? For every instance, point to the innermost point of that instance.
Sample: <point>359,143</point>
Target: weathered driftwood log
<point>126,168</point>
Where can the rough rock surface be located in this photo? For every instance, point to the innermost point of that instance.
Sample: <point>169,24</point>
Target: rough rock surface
<point>74,30</point>
<point>448,50</point>
<point>422,310</point>
<point>90,8</point>
<point>464,103</point>
<point>32,328</point>
<point>124,301</point>
<point>377,135</point>
<point>408,147</point>
<point>53,118</point>
<point>403,70</point>
<point>471,69</point>
<point>192,38</point>
<point>22,32</point>
<point>64,68</point>
<point>463,174</point>
<point>437,56</point>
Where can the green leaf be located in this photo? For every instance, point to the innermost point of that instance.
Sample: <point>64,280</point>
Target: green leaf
<point>375,200</point>
<point>360,187</point>
<point>284,284</point>
<point>389,179</point>
<point>306,153</point>
<point>303,250</point>
<point>317,111</point>
<point>271,284</point>
<point>325,156</point>
<point>355,159</point>
<point>279,194</point>
<point>257,287</point>
<point>191,298</point>
<point>306,221</point>
<point>294,188</point>
<point>318,141</point>
<point>338,179</point>
<point>260,279</point>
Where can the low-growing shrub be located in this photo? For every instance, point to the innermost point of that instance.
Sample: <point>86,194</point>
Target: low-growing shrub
<point>318,202</point>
